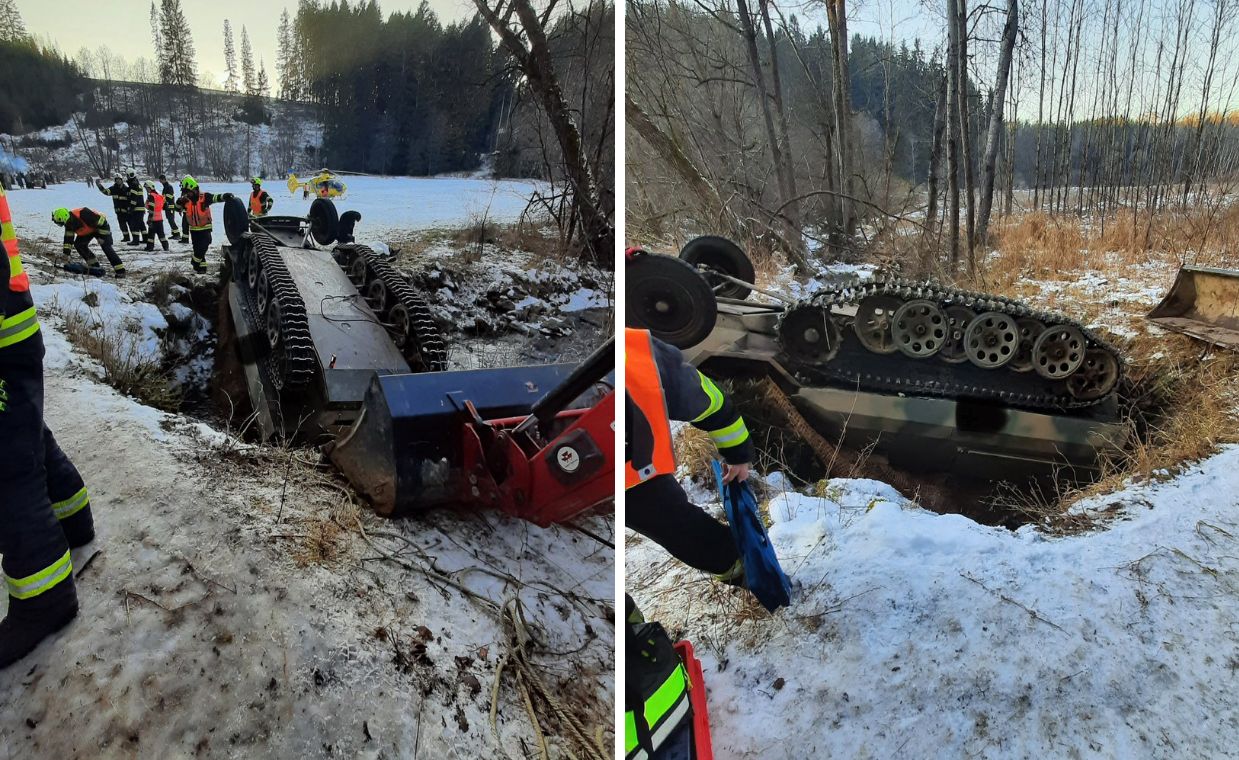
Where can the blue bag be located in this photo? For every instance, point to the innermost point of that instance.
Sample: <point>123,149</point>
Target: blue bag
<point>762,574</point>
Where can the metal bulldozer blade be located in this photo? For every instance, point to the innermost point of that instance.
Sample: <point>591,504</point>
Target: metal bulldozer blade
<point>1202,303</point>
<point>403,452</point>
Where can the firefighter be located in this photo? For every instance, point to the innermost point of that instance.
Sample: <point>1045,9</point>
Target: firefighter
<point>44,506</point>
<point>119,194</point>
<point>661,386</point>
<point>83,225</point>
<point>169,209</point>
<point>155,214</point>
<point>260,200</point>
<point>196,206</point>
<point>137,209</point>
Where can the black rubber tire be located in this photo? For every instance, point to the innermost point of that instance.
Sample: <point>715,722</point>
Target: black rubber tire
<point>324,221</point>
<point>723,255</point>
<point>236,220</point>
<point>669,298</point>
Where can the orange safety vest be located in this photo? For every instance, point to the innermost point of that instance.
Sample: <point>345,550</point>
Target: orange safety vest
<point>198,213</point>
<point>85,229</point>
<point>644,387</point>
<point>19,280</point>
<point>157,203</point>
<point>256,203</point>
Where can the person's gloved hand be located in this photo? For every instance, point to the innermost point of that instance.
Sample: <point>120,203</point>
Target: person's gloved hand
<point>737,472</point>
<point>227,196</point>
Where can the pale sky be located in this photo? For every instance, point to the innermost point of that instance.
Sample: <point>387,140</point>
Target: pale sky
<point>124,26</point>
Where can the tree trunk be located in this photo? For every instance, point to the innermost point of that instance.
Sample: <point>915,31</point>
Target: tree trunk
<point>536,64</point>
<point>999,100</point>
<point>669,151</point>
<point>836,14</point>
<point>931,244</point>
<point>965,129</point>
<point>952,130</point>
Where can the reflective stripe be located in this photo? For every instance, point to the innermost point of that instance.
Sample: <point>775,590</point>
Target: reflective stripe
<point>663,711</point>
<point>732,435</point>
<point>33,585</point>
<point>716,397</point>
<point>18,327</point>
<point>72,505</point>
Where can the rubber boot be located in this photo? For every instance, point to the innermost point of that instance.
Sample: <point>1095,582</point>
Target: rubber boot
<point>30,621</point>
<point>165,243</point>
<point>150,245</point>
<point>134,242</point>
<point>118,271</point>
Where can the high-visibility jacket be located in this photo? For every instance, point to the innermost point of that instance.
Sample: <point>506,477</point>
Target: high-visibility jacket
<point>657,699</point>
<point>155,204</point>
<point>18,321</point>
<point>82,222</point>
<point>198,210</point>
<point>169,197</point>
<point>260,203</point>
<point>661,386</point>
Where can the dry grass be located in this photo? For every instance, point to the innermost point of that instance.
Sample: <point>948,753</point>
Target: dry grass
<point>1055,248</point>
<point>117,351</point>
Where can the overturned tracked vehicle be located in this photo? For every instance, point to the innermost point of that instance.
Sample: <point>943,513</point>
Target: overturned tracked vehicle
<point>332,345</point>
<point>315,316</point>
<point>934,378</point>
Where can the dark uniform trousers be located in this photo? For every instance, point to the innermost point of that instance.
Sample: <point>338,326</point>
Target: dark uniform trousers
<point>659,509</point>
<point>43,501</point>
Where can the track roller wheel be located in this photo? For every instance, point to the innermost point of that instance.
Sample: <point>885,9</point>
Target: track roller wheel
<point>378,298</point>
<point>400,325</point>
<point>919,328</point>
<point>1030,329</point>
<point>809,335</point>
<point>357,273</point>
<point>1097,376</point>
<point>1059,352</point>
<point>873,323</point>
<point>958,318</point>
<point>262,292</point>
<point>253,267</point>
<point>275,339</point>
<point>992,339</point>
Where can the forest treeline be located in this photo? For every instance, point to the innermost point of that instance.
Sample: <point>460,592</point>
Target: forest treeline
<point>40,86</point>
<point>738,121</point>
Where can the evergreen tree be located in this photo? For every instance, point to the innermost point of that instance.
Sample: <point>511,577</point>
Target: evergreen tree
<point>156,34</point>
<point>284,54</point>
<point>230,59</point>
<point>263,86</point>
<point>247,63</point>
<point>176,65</point>
<point>12,27</point>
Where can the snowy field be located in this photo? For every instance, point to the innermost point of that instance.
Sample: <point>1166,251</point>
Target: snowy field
<point>387,204</point>
<point>232,609</point>
<point>914,634</point>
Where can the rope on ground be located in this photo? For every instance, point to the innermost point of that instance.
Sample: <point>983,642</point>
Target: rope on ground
<point>530,683</point>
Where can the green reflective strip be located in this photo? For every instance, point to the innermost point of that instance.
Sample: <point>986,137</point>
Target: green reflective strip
<point>72,505</point>
<point>18,327</point>
<point>716,397</point>
<point>732,435</point>
<point>630,731</point>
<point>33,585</point>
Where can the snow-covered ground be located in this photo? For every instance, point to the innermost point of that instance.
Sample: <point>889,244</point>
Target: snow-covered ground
<point>914,634</point>
<point>233,607</point>
<point>387,204</point>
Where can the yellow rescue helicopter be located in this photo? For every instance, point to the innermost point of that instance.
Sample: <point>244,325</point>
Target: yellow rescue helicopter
<point>322,185</point>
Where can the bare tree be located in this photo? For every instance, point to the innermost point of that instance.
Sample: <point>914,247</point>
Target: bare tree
<point>525,41</point>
